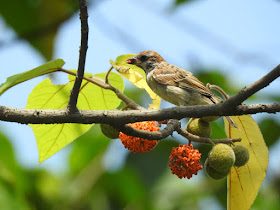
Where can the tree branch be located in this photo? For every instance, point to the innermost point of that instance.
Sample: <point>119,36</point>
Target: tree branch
<point>82,58</point>
<point>246,92</point>
<point>118,119</point>
<point>44,116</point>
<point>171,126</point>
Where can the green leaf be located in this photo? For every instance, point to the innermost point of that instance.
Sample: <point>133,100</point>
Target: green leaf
<point>53,137</point>
<point>46,68</point>
<point>93,97</point>
<point>38,21</point>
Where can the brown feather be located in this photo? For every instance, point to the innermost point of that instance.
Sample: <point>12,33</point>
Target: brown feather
<point>169,74</point>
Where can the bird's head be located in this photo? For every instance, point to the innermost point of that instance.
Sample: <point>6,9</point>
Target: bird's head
<point>147,60</point>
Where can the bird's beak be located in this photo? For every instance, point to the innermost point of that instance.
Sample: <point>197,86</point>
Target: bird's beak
<point>133,61</point>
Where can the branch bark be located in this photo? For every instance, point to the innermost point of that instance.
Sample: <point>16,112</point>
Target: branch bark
<point>82,58</point>
<point>171,126</point>
<point>199,139</point>
<point>43,116</point>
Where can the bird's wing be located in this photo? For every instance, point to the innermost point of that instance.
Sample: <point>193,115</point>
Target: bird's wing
<point>175,76</point>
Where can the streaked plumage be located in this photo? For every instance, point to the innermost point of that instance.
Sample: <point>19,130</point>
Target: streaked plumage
<point>172,83</point>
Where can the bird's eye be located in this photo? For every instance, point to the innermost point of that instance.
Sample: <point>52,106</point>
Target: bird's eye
<point>143,58</point>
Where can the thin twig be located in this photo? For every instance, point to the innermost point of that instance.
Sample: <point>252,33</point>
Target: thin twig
<point>173,125</point>
<point>203,140</point>
<point>131,104</point>
<point>82,57</point>
<point>101,83</point>
<point>107,75</point>
<point>98,83</point>
<point>150,135</point>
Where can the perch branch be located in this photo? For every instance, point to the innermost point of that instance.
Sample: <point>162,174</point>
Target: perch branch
<point>45,116</point>
<point>118,119</point>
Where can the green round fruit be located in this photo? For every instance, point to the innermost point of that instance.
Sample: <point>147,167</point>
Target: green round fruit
<point>221,157</point>
<point>241,155</point>
<point>212,173</point>
<point>210,118</point>
<point>109,131</point>
<point>199,127</point>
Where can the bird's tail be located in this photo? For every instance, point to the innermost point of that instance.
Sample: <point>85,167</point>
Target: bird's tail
<point>231,122</point>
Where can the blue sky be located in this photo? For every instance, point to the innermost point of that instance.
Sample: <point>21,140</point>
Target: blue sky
<point>222,34</point>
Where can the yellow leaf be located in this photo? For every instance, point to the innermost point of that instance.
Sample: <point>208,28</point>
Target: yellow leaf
<point>136,76</point>
<point>244,182</point>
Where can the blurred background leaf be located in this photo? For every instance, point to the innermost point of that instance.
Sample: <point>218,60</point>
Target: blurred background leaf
<point>178,2</point>
<point>270,128</point>
<point>37,21</point>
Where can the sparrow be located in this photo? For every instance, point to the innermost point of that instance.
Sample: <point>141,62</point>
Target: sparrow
<point>174,84</point>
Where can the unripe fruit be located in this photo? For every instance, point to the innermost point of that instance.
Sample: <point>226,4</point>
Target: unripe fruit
<point>199,127</point>
<point>241,155</point>
<point>221,157</point>
<point>109,131</point>
<point>212,173</point>
<point>210,118</point>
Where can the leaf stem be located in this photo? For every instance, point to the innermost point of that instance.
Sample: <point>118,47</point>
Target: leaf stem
<point>107,75</point>
<point>101,83</point>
